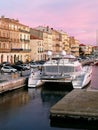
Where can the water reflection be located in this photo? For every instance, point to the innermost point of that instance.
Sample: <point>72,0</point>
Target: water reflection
<point>33,92</point>
<point>72,123</point>
<point>14,99</point>
<point>30,109</point>
<point>52,95</point>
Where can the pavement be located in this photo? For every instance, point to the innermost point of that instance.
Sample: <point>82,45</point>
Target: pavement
<point>10,76</point>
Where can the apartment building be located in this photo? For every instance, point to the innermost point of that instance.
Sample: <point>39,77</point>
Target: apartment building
<point>14,41</point>
<point>65,41</point>
<point>95,50</point>
<point>56,40</point>
<point>37,44</point>
<point>89,50</point>
<point>37,48</point>
<point>45,35</point>
<point>74,46</point>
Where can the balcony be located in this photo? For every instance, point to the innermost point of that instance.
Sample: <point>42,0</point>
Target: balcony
<point>5,50</point>
<point>26,50</point>
<point>24,40</point>
<point>25,31</point>
<point>4,39</point>
<point>16,49</point>
<point>20,50</point>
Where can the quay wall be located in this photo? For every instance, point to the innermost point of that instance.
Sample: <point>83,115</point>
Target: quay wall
<point>12,84</point>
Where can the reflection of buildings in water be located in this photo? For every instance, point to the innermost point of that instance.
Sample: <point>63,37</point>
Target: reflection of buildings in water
<point>14,99</point>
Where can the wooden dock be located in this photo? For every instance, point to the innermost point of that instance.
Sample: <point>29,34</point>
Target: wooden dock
<point>79,103</point>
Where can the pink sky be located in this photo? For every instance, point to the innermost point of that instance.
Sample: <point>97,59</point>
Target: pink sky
<point>77,18</point>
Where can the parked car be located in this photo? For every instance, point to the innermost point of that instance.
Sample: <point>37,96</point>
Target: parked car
<point>34,65</point>
<point>8,69</point>
<point>18,67</point>
<point>19,62</point>
<point>25,66</point>
<point>5,63</point>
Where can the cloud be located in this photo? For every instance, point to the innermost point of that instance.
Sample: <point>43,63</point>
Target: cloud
<point>77,17</point>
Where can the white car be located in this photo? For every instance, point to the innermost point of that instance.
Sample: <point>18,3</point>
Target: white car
<point>25,66</point>
<point>35,65</point>
<point>8,69</point>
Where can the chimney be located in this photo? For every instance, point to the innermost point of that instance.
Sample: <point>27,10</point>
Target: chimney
<point>47,28</point>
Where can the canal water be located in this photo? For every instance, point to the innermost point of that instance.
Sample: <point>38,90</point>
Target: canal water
<point>28,109</point>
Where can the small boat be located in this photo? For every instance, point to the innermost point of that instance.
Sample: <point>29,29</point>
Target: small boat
<point>34,79</point>
<point>65,69</point>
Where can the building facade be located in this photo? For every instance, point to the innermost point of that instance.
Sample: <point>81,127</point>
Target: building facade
<point>14,41</point>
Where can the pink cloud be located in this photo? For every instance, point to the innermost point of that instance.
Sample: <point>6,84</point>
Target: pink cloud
<point>76,17</point>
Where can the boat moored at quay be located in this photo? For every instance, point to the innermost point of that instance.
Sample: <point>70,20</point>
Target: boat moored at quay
<point>62,68</point>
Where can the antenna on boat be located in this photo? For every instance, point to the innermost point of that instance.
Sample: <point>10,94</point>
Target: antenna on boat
<point>63,53</point>
<point>49,53</point>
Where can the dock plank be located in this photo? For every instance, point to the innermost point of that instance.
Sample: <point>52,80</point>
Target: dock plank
<point>78,103</point>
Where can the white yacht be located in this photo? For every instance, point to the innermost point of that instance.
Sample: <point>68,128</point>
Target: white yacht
<point>64,68</point>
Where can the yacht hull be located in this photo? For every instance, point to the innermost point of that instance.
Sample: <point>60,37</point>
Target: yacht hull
<point>34,79</point>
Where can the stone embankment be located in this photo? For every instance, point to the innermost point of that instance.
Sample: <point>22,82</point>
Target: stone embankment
<point>12,84</point>
<point>13,81</point>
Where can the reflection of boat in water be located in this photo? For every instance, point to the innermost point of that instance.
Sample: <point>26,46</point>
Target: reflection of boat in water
<point>49,94</point>
<point>33,93</point>
<point>65,69</point>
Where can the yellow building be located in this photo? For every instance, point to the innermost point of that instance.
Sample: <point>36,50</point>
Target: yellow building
<point>65,41</point>
<point>37,48</point>
<point>14,41</point>
<point>74,46</point>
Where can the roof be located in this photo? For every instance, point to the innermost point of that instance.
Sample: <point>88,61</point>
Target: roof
<point>82,45</point>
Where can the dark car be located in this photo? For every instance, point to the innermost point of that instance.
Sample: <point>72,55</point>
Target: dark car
<point>19,62</point>
<point>18,67</point>
<point>5,63</point>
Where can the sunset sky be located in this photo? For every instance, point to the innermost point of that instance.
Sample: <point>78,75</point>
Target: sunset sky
<point>77,18</point>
